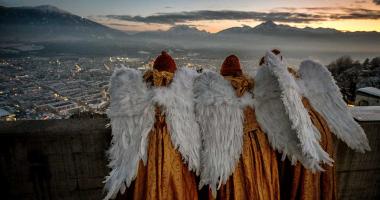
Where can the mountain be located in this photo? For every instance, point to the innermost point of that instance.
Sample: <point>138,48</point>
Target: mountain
<point>268,28</point>
<point>48,23</point>
<point>186,30</point>
<point>271,28</point>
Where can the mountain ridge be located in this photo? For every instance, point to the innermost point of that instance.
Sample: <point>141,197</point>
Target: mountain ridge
<point>265,28</point>
<point>271,27</point>
<point>50,23</point>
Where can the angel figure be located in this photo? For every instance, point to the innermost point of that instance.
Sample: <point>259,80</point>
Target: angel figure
<point>237,161</point>
<point>326,114</point>
<point>155,146</point>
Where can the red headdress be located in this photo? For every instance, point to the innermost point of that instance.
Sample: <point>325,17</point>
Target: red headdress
<point>231,66</point>
<point>165,62</point>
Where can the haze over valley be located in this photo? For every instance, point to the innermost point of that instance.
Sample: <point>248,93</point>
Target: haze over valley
<point>48,31</point>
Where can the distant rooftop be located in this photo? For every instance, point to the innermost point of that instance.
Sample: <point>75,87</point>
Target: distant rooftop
<point>370,90</point>
<point>366,113</point>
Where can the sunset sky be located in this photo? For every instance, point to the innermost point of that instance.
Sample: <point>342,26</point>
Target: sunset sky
<point>215,15</point>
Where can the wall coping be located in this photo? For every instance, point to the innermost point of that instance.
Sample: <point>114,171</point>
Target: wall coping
<point>55,126</point>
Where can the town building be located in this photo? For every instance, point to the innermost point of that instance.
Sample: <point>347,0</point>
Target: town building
<point>367,96</point>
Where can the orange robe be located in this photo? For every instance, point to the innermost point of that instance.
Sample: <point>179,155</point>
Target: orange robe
<point>300,183</point>
<point>164,176</point>
<point>256,174</point>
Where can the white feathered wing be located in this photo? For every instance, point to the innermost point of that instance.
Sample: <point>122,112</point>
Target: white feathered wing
<point>132,117</point>
<point>219,113</point>
<point>319,87</point>
<point>178,104</point>
<point>282,116</point>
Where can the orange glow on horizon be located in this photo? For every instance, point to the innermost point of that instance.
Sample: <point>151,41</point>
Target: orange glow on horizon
<point>341,25</point>
<point>214,26</point>
<point>344,25</point>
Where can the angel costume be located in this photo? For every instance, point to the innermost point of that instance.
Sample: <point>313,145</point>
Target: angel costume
<point>156,142</point>
<point>319,97</point>
<point>237,161</point>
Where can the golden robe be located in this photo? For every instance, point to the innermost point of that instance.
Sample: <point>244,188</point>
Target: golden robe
<point>300,183</point>
<point>256,174</point>
<point>164,176</point>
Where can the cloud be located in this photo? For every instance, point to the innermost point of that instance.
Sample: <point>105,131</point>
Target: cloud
<point>120,24</point>
<point>180,17</point>
<point>352,13</point>
<point>284,14</point>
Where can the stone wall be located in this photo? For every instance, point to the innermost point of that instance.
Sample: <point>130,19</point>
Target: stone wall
<point>65,159</point>
<point>57,159</point>
<point>359,174</point>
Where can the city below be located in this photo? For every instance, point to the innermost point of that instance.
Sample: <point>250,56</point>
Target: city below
<point>40,88</point>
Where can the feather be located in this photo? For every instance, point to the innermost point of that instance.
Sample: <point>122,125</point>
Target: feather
<point>219,113</point>
<point>132,117</point>
<point>320,88</point>
<point>281,114</point>
<point>178,103</point>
